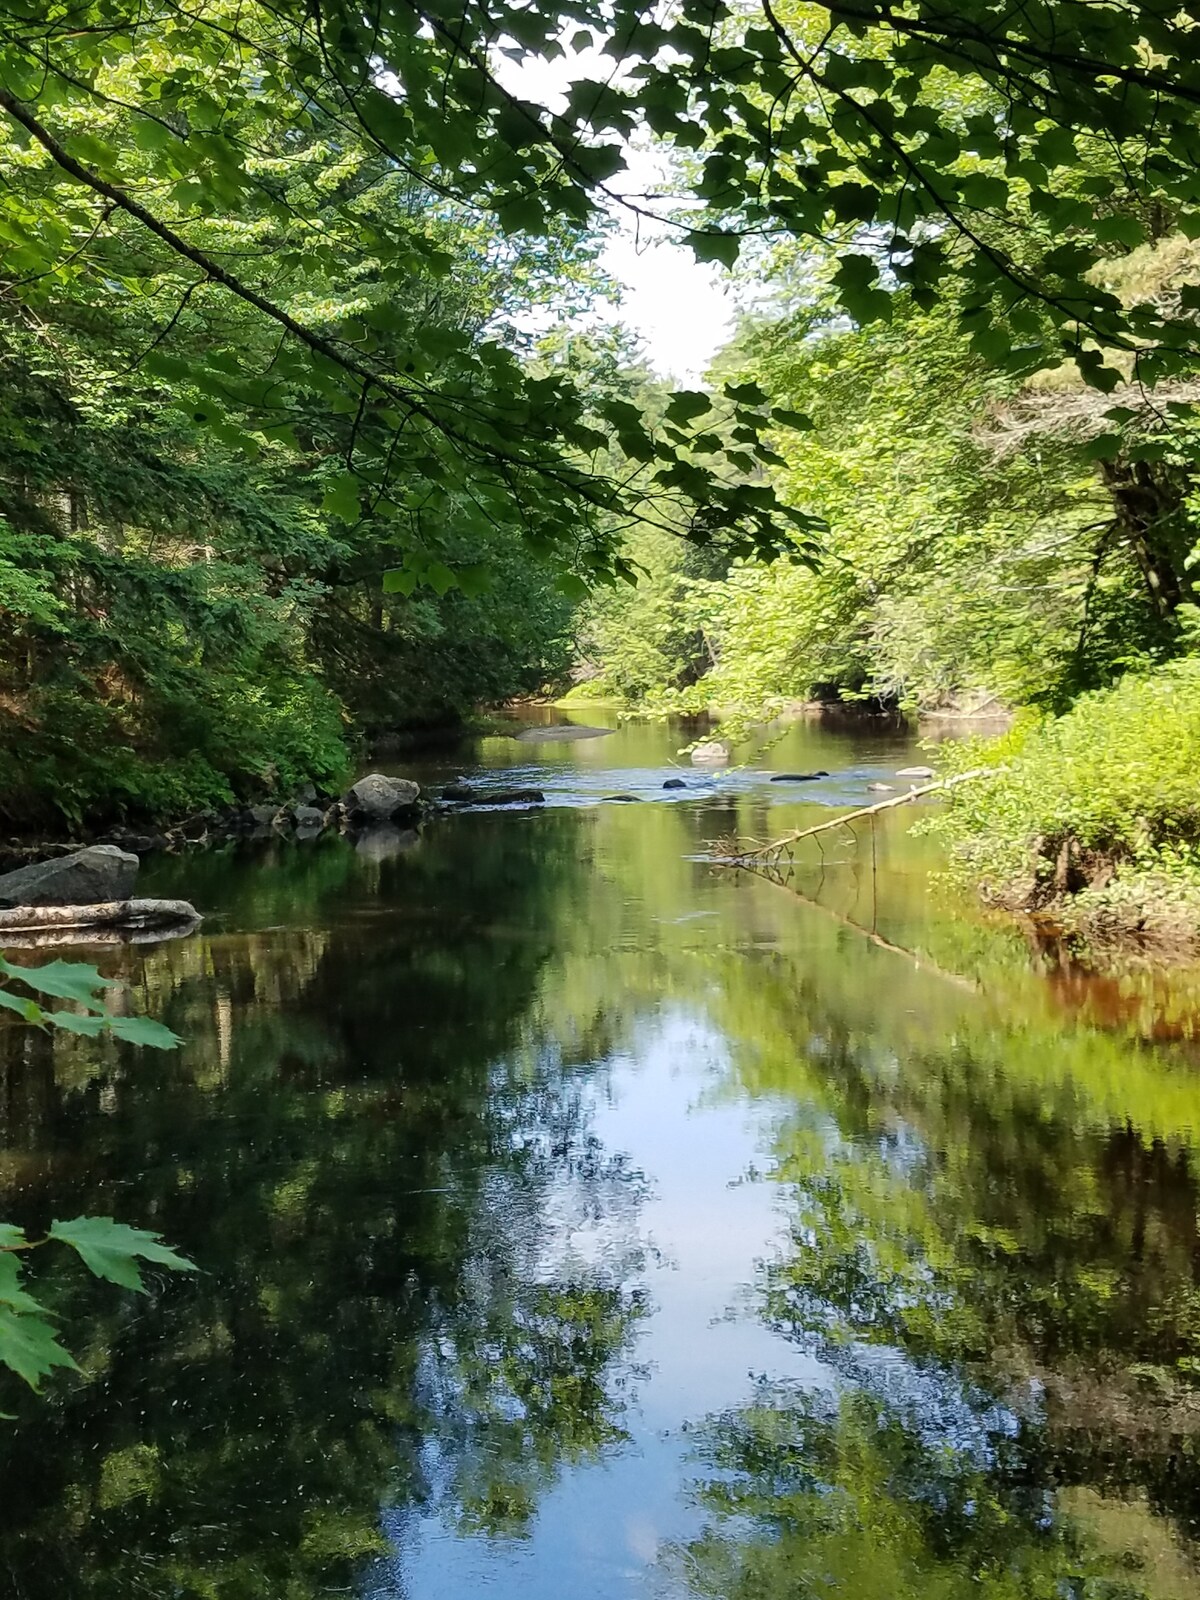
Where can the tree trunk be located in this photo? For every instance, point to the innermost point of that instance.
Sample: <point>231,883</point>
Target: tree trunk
<point>1152,519</point>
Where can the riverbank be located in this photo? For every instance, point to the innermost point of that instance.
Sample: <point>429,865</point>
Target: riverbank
<point>1091,821</point>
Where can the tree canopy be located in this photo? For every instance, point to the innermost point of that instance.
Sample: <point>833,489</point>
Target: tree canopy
<point>234,145</point>
<point>268,170</point>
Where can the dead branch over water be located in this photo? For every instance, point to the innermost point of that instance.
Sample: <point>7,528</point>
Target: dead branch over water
<point>778,849</point>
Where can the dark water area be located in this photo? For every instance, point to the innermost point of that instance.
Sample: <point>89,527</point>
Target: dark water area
<point>579,1220</point>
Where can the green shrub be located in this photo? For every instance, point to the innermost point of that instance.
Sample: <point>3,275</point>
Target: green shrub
<point>1115,782</point>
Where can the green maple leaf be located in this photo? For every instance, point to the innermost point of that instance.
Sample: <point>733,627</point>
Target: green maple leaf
<point>12,1292</point>
<point>138,1030</point>
<point>65,980</point>
<point>111,1249</point>
<point>29,1346</point>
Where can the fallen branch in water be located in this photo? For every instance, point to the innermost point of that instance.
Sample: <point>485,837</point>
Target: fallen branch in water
<point>741,858</point>
<point>134,916</point>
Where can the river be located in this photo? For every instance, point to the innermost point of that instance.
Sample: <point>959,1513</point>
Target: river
<point>578,1220</point>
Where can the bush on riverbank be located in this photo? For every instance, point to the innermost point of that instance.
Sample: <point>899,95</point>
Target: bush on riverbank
<point>1094,816</point>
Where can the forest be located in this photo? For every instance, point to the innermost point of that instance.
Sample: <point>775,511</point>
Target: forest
<point>313,432</point>
<point>625,1185</point>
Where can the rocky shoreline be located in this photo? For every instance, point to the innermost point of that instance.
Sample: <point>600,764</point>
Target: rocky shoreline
<point>81,891</point>
<point>373,802</point>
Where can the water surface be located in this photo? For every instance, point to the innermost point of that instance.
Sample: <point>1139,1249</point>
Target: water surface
<point>579,1220</point>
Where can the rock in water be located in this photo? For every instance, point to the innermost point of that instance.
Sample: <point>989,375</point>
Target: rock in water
<point>562,732</point>
<point>674,783</point>
<point>513,797</point>
<point>199,826</point>
<point>797,777</point>
<point>881,788</point>
<point>711,754</point>
<point>915,772</point>
<point>376,799</point>
<point>310,822</point>
<point>98,873</point>
<point>460,793</point>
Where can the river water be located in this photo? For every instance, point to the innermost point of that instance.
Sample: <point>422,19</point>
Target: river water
<point>577,1220</point>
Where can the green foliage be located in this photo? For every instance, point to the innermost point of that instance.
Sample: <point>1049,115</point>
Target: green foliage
<point>397,661</point>
<point>266,353</point>
<point>648,642</point>
<point>312,246</point>
<point>901,136</point>
<point>73,981</point>
<point>1110,786</point>
<point>112,1250</point>
<point>184,626</point>
<point>283,465</point>
<point>29,1344</point>
<point>974,553</point>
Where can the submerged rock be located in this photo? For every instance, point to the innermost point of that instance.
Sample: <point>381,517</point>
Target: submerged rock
<point>377,799</point>
<point>797,777</point>
<point>561,732</point>
<point>624,799</point>
<point>512,797</point>
<point>712,753</point>
<point>881,788</point>
<point>674,783</point>
<point>460,793</point>
<point>101,872</point>
<point>916,772</point>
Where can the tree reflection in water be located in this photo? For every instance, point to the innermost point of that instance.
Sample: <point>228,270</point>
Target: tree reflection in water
<point>425,1277</point>
<point>390,1185</point>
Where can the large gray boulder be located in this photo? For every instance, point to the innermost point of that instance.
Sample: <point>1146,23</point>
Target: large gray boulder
<point>376,799</point>
<point>98,873</point>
